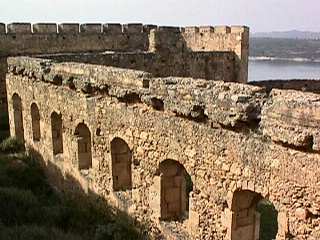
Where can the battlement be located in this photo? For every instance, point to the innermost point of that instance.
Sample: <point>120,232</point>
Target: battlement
<point>114,28</point>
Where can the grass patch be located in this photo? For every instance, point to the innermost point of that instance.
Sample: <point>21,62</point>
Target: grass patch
<point>31,209</point>
<point>11,145</point>
<point>32,232</point>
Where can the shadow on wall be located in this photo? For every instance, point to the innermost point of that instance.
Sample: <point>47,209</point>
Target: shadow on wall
<point>4,126</point>
<point>118,224</point>
<point>254,217</point>
<point>4,116</point>
<point>268,220</point>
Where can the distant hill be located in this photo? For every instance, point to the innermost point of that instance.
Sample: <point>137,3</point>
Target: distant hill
<point>294,34</point>
<point>294,49</point>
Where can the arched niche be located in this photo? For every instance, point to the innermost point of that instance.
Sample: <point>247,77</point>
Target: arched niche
<point>17,117</point>
<point>175,186</point>
<point>83,136</point>
<point>35,122</point>
<point>121,157</point>
<point>57,133</point>
<point>253,217</point>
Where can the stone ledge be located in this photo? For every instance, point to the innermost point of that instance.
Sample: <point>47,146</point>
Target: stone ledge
<point>198,99</point>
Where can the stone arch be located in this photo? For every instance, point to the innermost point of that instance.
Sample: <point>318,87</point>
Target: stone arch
<point>121,165</point>
<point>35,122</point>
<point>17,117</point>
<point>175,185</point>
<point>83,135</point>
<point>248,210</point>
<point>57,133</point>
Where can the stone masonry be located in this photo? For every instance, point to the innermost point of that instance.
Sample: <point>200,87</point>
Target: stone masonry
<point>192,157</point>
<point>167,50</point>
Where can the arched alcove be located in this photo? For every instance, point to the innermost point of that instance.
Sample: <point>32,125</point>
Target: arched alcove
<point>121,165</point>
<point>17,117</point>
<point>254,218</point>
<point>35,122</point>
<point>83,136</point>
<point>56,130</point>
<point>175,185</point>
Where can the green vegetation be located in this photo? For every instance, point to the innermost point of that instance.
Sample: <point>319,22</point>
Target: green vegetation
<point>31,209</point>
<point>285,48</point>
<point>11,145</point>
<point>268,220</point>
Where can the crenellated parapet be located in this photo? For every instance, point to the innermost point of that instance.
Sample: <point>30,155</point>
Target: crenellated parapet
<point>40,38</point>
<point>113,28</point>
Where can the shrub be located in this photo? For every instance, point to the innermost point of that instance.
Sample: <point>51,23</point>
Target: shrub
<point>16,205</point>
<point>26,173</point>
<point>31,209</point>
<point>11,145</point>
<point>32,232</point>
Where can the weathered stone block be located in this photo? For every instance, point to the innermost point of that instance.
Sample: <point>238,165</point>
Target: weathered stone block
<point>91,28</point>
<point>19,28</point>
<point>112,28</point>
<point>147,28</point>
<point>283,224</point>
<point>44,28</point>
<point>222,29</point>
<point>68,28</point>
<point>191,29</point>
<point>301,214</point>
<point>206,29</point>
<point>132,28</point>
<point>169,29</point>
<point>239,29</point>
<point>2,28</point>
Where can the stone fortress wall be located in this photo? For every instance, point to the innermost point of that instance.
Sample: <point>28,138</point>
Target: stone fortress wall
<point>197,151</point>
<point>230,44</point>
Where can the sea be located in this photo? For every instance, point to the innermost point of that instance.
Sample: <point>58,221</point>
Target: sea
<point>260,70</point>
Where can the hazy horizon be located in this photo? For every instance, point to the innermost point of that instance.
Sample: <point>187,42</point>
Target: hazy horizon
<point>260,16</point>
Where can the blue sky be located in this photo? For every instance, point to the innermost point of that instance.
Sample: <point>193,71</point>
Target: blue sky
<point>259,15</point>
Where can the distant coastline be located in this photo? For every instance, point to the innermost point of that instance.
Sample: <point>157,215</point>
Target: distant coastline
<point>302,60</point>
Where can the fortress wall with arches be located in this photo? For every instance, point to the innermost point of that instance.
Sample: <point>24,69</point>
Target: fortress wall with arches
<point>196,156</point>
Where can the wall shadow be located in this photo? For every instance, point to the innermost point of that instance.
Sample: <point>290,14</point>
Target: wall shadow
<point>118,225</point>
<point>268,220</point>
